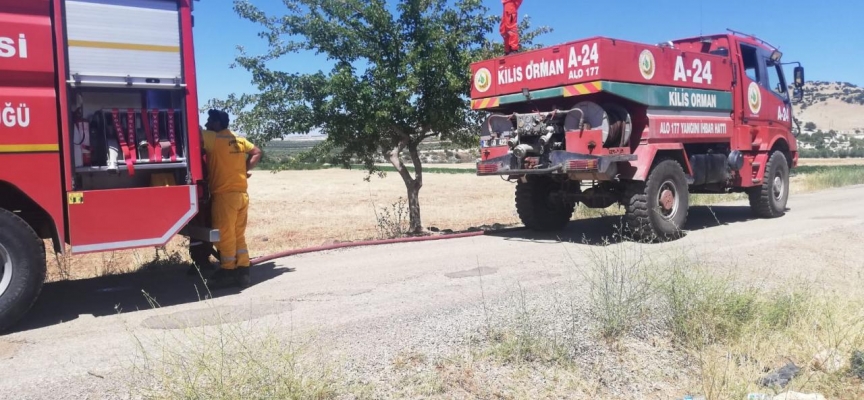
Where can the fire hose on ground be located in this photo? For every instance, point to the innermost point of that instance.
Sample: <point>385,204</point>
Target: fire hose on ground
<point>288,253</point>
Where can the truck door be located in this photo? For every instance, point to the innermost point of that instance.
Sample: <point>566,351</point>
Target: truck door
<point>765,95</point>
<point>778,90</point>
<point>131,99</point>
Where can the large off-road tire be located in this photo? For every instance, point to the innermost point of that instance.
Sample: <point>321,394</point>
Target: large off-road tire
<point>536,210</point>
<point>657,208</point>
<point>769,199</point>
<point>22,268</point>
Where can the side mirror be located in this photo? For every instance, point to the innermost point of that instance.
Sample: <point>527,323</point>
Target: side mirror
<point>798,94</point>
<point>799,76</point>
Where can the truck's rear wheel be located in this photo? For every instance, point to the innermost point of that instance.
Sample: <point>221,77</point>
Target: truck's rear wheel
<point>769,199</point>
<point>657,208</point>
<point>537,210</point>
<point>22,268</point>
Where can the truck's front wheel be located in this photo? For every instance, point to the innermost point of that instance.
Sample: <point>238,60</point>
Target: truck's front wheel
<point>537,209</point>
<point>657,208</point>
<point>769,199</point>
<point>22,268</point>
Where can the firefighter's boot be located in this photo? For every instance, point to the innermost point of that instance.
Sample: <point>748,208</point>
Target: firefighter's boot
<point>222,279</point>
<point>244,278</point>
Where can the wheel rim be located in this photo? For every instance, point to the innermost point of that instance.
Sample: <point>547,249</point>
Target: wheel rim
<point>5,269</point>
<point>779,187</point>
<point>667,200</point>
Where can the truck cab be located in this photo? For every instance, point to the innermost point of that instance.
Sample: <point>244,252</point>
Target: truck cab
<point>762,98</point>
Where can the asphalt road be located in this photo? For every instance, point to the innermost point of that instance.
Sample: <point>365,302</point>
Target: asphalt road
<point>77,341</point>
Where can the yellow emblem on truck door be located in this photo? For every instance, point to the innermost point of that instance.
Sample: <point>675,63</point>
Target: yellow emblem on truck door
<point>75,198</point>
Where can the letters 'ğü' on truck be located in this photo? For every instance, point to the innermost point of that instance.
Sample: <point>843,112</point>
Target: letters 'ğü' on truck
<point>603,121</point>
<point>99,139</point>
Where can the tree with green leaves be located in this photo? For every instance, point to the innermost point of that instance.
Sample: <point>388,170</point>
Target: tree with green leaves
<point>400,75</point>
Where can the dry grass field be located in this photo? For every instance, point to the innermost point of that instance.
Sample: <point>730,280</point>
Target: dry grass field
<point>298,209</point>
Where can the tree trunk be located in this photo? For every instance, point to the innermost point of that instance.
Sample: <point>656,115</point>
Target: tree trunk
<point>412,185</point>
<point>414,209</point>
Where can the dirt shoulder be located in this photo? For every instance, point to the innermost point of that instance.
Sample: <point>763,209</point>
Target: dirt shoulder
<point>368,308</point>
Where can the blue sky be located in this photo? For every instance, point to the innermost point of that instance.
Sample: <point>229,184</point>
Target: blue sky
<point>827,36</point>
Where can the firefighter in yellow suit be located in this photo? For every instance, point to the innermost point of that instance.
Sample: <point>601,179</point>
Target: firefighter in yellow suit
<point>228,167</point>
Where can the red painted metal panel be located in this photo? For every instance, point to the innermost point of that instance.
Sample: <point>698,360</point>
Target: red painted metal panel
<point>762,105</point>
<point>63,102</point>
<point>130,218</point>
<point>191,90</point>
<point>33,7</point>
<point>599,59</point>
<point>29,157</point>
<point>28,116</point>
<point>493,152</point>
<point>580,142</point>
<point>26,171</point>
<point>26,50</point>
<point>757,172</point>
<point>638,170</point>
<point>690,129</point>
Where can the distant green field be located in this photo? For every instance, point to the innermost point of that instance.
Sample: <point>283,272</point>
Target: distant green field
<point>812,169</point>
<point>469,168</point>
<point>278,151</point>
<point>293,146</point>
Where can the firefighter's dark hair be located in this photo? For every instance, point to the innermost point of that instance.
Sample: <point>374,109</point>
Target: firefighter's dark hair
<point>221,116</point>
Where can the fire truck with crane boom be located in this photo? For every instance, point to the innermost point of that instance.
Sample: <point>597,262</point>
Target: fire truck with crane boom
<point>99,135</point>
<point>600,121</point>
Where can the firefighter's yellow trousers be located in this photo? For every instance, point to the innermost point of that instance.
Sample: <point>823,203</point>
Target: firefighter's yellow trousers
<point>229,217</point>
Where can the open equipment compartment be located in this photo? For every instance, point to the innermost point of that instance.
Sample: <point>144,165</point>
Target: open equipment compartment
<point>151,151</point>
<point>126,89</point>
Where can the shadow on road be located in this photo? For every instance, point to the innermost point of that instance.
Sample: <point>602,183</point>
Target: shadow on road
<point>65,301</point>
<point>602,231</point>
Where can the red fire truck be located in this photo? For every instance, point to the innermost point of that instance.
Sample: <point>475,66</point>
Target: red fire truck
<point>601,121</point>
<point>99,134</point>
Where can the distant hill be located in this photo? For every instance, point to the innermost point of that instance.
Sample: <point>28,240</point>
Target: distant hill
<point>837,106</point>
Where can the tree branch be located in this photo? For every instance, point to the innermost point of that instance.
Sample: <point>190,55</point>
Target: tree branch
<point>396,159</point>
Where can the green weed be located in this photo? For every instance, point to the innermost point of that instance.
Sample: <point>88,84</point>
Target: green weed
<point>819,178</point>
<point>229,361</point>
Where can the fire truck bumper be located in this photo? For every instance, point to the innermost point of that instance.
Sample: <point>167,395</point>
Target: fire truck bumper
<point>579,166</point>
<point>201,233</point>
